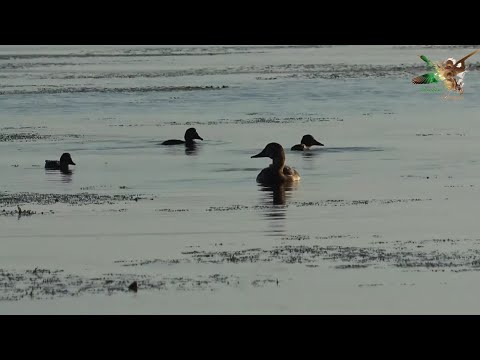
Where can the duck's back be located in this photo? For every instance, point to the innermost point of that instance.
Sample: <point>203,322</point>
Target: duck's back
<point>173,142</point>
<point>291,173</point>
<point>298,147</point>
<point>52,164</point>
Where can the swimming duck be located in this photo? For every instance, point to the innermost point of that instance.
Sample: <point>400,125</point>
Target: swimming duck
<point>190,135</point>
<point>65,160</point>
<point>306,143</point>
<point>277,172</point>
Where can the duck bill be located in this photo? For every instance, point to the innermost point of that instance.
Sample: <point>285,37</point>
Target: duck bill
<point>71,163</point>
<point>261,155</point>
<point>318,143</point>
<point>198,137</point>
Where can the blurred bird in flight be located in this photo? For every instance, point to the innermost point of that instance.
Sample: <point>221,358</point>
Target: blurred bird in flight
<point>450,72</point>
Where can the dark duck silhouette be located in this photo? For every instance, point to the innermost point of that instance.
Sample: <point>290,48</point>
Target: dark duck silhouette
<point>61,164</point>
<point>277,172</point>
<point>307,142</point>
<point>190,135</point>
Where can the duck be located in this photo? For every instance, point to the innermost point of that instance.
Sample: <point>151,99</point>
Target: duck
<point>307,142</point>
<point>61,164</point>
<point>190,135</point>
<point>277,172</point>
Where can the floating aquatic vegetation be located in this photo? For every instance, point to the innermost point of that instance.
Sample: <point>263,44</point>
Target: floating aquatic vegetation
<point>7,199</point>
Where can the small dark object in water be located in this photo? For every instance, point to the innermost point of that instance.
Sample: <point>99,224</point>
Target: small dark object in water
<point>190,135</point>
<point>307,142</point>
<point>133,287</point>
<point>65,160</point>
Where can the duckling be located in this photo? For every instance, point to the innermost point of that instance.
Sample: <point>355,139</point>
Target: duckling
<point>277,172</point>
<point>62,165</point>
<point>190,135</point>
<point>306,143</point>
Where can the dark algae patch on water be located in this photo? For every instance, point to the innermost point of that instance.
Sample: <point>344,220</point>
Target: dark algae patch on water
<point>79,199</point>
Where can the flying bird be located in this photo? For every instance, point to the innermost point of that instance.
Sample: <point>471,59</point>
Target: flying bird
<point>445,72</point>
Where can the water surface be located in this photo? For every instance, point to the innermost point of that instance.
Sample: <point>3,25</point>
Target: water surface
<point>382,221</point>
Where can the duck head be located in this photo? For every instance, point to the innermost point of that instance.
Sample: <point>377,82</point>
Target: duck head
<point>275,152</point>
<point>66,160</point>
<point>192,134</point>
<point>272,151</point>
<point>309,140</point>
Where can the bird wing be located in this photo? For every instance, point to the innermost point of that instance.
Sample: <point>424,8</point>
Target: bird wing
<point>289,171</point>
<point>466,57</point>
<point>426,79</point>
<point>430,65</point>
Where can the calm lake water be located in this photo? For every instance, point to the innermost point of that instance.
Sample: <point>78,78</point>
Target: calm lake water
<point>384,219</point>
